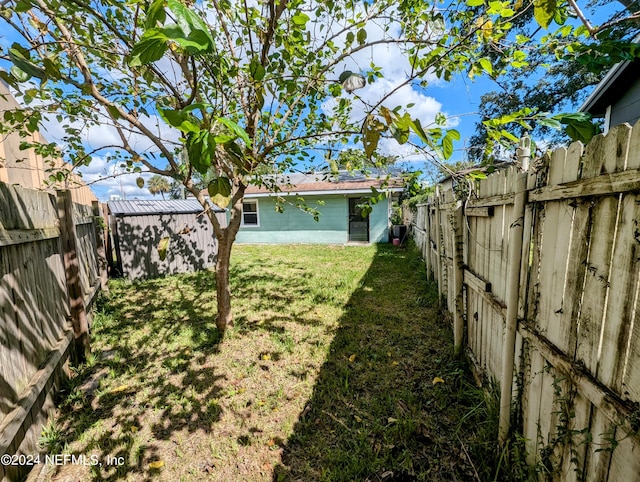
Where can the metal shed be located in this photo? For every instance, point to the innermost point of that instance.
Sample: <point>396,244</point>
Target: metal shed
<point>138,228</point>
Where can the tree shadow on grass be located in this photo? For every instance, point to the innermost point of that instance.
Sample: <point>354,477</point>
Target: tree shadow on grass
<point>378,412</point>
<point>166,381</point>
<point>157,380</point>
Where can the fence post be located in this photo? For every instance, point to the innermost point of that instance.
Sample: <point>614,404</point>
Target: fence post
<point>101,237</point>
<point>513,290</point>
<point>458,271</point>
<point>427,239</point>
<point>111,263</point>
<point>72,271</point>
<point>438,245</point>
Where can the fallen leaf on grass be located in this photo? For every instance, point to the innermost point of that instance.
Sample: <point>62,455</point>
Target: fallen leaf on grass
<point>394,363</point>
<point>392,420</point>
<point>266,356</point>
<point>358,419</point>
<point>437,380</point>
<point>157,464</point>
<point>352,358</point>
<point>120,389</point>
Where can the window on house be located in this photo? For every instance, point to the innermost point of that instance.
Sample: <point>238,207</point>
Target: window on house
<point>250,213</point>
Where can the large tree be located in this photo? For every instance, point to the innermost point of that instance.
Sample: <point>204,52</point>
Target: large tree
<point>240,89</point>
<point>551,81</point>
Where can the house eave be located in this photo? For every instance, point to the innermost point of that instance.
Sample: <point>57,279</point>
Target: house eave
<point>603,95</point>
<point>594,103</point>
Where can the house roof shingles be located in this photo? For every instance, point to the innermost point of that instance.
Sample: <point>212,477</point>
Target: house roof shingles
<point>322,186</point>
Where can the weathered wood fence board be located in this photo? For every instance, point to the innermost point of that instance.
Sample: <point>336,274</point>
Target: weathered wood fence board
<point>35,329</point>
<point>578,342</point>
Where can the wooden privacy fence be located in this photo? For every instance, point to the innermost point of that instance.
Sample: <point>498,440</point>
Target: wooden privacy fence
<point>541,270</point>
<point>49,277</point>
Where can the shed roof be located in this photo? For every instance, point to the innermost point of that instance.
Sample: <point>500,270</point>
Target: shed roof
<point>143,207</point>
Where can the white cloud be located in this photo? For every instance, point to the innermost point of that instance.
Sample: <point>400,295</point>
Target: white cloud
<point>106,178</point>
<point>106,135</point>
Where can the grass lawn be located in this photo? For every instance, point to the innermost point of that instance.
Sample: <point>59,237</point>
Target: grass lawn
<point>339,367</point>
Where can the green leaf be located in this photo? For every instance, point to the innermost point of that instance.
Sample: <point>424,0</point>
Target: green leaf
<point>257,70</point>
<point>400,134</point>
<point>19,74</point>
<point>200,147</point>
<point>486,66</point>
<point>220,191</point>
<point>300,19</point>
<point>417,128</point>
<point>172,117</point>
<point>8,77</point>
<point>507,12</point>
<point>362,36</point>
<point>447,147</point>
<point>477,175</point>
<point>188,19</point>
<point>453,134</point>
<point>195,42</point>
<point>578,126</point>
<point>140,182</point>
<point>508,135</point>
<point>237,130</point>
<point>365,210</point>
<point>51,69</point>
<point>163,247</point>
<point>475,3</point>
<point>551,123</point>
<point>22,6</point>
<point>155,14</point>
<point>544,11</point>
<point>21,59</point>
<point>566,117</point>
<point>151,47</point>
<point>113,112</point>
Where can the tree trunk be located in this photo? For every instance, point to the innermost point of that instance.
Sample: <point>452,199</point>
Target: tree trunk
<point>223,290</point>
<point>226,237</point>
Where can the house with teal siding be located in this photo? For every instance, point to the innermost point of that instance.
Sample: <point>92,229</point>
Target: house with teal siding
<point>336,197</point>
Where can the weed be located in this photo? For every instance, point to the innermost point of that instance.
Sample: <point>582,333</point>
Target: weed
<point>51,439</point>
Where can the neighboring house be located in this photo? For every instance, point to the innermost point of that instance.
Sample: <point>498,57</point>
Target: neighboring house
<point>336,197</point>
<point>617,96</point>
<point>28,169</point>
<point>138,228</point>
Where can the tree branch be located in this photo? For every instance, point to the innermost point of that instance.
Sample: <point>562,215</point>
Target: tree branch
<point>582,18</point>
